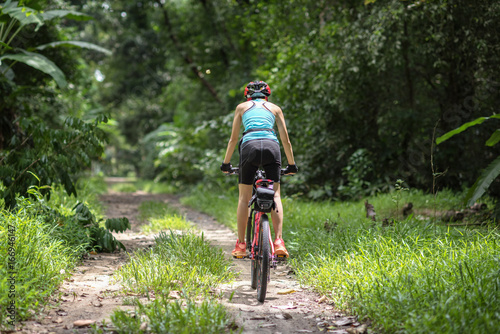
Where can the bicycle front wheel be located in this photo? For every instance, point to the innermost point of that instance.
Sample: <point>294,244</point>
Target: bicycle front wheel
<point>263,259</point>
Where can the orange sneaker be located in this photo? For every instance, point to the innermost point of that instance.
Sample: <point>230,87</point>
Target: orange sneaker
<point>240,250</point>
<point>279,248</point>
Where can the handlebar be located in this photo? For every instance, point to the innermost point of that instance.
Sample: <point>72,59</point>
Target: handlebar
<point>236,171</point>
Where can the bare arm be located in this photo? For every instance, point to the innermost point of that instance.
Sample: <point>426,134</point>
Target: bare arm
<point>285,140</point>
<point>233,140</point>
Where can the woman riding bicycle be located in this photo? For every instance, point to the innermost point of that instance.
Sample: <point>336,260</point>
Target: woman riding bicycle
<point>259,147</point>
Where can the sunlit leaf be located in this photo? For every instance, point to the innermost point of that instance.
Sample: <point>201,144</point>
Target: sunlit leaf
<point>494,139</point>
<point>24,15</point>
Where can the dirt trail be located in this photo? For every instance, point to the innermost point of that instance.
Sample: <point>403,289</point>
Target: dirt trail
<point>92,295</point>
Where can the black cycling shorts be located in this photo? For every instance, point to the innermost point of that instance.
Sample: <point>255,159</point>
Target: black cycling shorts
<point>257,153</point>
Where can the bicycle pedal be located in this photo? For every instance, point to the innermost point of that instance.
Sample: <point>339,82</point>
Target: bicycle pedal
<point>281,258</point>
<point>239,257</point>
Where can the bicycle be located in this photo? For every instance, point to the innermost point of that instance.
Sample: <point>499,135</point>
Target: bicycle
<point>260,247</point>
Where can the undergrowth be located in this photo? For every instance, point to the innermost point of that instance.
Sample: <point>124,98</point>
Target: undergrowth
<point>40,243</point>
<point>415,275</point>
<point>36,265</point>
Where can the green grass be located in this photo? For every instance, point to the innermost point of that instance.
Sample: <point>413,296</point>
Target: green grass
<point>164,316</point>
<point>154,187</point>
<point>184,263</point>
<point>177,262</point>
<point>409,277</point>
<point>40,260</point>
<point>161,216</point>
<point>417,276</point>
<point>156,209</point>
<point>148,186</point>
<point>46,245</point>
<point>167,223</point>
<point>124,187</point>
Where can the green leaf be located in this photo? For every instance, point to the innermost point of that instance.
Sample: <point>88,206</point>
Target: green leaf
<point>483,182</point>
<point>77,44</point>
<point>39,62</point>
<point>117,224</point>
<point>494,139</point>
<point>69,14</point>
<point>463,127</point>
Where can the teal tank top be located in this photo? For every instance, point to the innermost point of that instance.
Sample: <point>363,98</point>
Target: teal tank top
<point>258,117</point>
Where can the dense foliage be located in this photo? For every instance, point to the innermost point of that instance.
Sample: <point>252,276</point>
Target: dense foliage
<point>148,88</point>
<point>364,86</point>
<point>48,133</point>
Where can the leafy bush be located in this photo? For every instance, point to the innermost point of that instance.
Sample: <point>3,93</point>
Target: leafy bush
<point>356,173</point>
<point>101,238</point>
<point>34,139</point>
<point>44,243</point>
<point>81,227</point>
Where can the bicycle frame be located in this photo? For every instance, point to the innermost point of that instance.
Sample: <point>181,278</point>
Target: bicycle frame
<point>260,181</point>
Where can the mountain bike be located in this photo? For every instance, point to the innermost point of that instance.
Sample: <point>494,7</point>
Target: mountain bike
<point>258,233</point>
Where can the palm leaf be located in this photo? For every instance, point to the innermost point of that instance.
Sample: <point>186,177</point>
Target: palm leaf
<point>6,71</point>
<point>79,44</point>
<point>39,62</point>
<point>463,127</point>
<point>69,14</point>
<point>24,15</point>
<point>483,182</point>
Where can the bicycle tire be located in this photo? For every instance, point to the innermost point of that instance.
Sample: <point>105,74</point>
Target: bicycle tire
<point>253,263</point>
<point>263,259</point>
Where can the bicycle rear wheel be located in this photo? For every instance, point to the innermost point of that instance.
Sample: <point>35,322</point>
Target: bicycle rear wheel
<point>263,259</point>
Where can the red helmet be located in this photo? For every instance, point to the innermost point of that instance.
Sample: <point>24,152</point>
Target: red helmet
<point>256,89</point>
